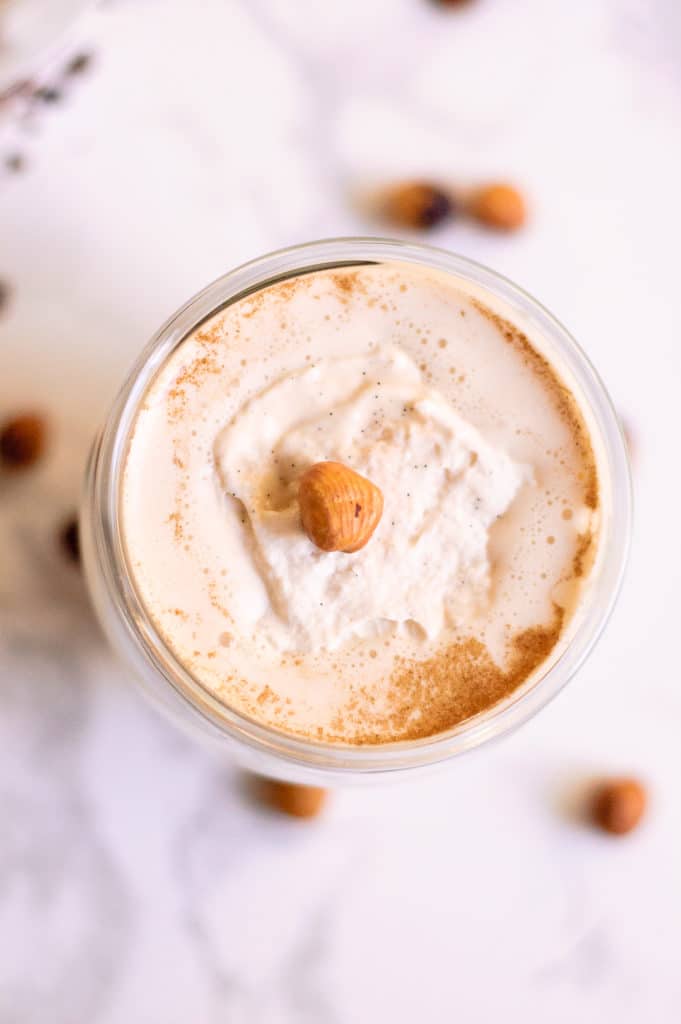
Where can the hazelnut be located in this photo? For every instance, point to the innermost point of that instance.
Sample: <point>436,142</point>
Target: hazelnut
<point>292,799</point>
<point>22,441</point>
<point>617,805</point>
<point>69,539</point>
<point>499,206</point>
<point>417,204</point>
<point>339,509</point>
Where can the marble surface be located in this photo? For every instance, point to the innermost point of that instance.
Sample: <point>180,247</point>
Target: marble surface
<point>137,883</point>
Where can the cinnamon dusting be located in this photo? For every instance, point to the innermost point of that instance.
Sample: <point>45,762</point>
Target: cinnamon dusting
<point>426,698</point>
<point>563,398</point>
<point>430,697</point>
<point>584,555</point>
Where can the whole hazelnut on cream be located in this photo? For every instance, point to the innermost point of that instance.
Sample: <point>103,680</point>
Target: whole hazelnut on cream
<point>339,509</point>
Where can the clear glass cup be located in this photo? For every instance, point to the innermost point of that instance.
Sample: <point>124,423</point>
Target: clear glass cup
<point>263,749</point>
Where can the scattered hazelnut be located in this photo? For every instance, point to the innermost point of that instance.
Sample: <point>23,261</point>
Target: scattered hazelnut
<point>22,441</point>
<point>499,206</point>
<point>5,292</point>
<point>69,538</point>
<point>417,204</point>
<point>290,798</point>
<point>617,805</point>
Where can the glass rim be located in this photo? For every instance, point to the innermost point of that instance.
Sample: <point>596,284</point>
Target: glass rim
<point>113,585</point>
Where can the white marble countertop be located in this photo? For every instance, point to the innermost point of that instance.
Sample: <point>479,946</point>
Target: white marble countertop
<point>136,882</point>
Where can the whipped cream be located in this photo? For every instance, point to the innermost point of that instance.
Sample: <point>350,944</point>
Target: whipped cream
<point>427,566</point>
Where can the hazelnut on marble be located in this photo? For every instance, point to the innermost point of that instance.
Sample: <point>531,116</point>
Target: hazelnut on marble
<point>500,206</point>
<point>22,441</point>
<point>617,805</point>
<point>292,799</point>
<point>417,204</point>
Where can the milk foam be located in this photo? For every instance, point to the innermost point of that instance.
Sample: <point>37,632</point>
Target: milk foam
<point>490,493</point>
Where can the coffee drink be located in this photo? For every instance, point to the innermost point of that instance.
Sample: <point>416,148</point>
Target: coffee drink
<point>485,504</point>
